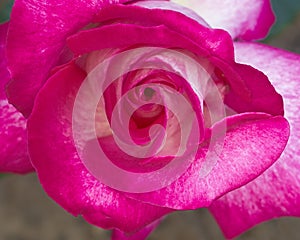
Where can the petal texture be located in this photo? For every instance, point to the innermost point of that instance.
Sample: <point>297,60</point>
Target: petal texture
<point>61,171</point>
<point>36,40</point>
<point>277,191</point>
<point>13,137</point>
<point>244,19</point>
<point>251,144</point>
<point>216,42</point>
<point>263,97</point>
<point>249,89</point>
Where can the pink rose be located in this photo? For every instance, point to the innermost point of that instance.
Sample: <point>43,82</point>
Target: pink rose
<point>137,110</point>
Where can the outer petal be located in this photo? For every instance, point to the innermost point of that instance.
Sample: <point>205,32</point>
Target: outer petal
<point>244,19</point>
<point>61,171</point>
<point>13,139</point>
<point>36,39</point>
<point>140,235</point>
<point>277,191</point>
<point>252,143</point>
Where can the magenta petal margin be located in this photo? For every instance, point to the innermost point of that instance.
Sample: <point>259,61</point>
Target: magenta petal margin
<point>276,192</point>
<point>43,27</point>
<point>13,141</point>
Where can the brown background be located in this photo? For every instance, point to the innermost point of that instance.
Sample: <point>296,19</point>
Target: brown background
<point>26,213</point>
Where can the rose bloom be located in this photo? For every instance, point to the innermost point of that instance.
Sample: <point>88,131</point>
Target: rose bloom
<point>129,111</point>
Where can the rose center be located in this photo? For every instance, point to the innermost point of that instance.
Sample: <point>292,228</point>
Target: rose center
<point>148,93</point>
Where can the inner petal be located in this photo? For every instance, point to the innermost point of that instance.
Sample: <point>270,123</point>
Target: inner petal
<point>154,133</point>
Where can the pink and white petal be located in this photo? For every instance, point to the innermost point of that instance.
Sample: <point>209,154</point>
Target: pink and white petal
<point>36,40</point>
<point>60,169</point>
<point>140,235</point>
<point>168,5</point>
<point>13,137</point>
<point>242,79</point>
<point>276,192</point>
<point>243,19</point>
<point>164,13</point>
<point>252,143</point>
<point>199,40</point>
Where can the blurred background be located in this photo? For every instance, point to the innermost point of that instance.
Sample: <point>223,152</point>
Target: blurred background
<point>26,213</point>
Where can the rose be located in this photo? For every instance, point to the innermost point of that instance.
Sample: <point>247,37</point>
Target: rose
<point>52,115</point>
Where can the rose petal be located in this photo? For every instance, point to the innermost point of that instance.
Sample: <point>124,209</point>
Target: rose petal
<point>277,191</point>
<point>263,96</point>
<point>249,89</point>
<point>61,171</point>
<point>140,235</point>
<point>149,13</point>
<point>242,80</point>
<point>244,19</point>
<point>252,143</point>
<point>37,34</point>
<point>3,66</point>
<point>167,5</point>
<point>13,137</point>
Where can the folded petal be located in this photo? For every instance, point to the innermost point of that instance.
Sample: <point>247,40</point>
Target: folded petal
<point>276,192</point>
<point>243,19</point>
<point>140,235</point>
<point>182,20</point>
<point>251,144</point>
<point>263,97</point>
<point>36,40</point>
<point>166,34</point>
<point>13,136</point>
<point>60,169</point>
<point>249,90</point>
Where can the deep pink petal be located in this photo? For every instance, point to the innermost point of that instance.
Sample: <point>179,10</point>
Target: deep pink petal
<point>249,89</point>
<point>244,19</point>
<point>277,191</point>
<point>61,171</point>
<point>140,235</point>
<point>13,137</point>
<point>36,40</point>
<point>3,66</point>
<point>163,13</point>
<point>252,143</point>
<point>263,97</point>
<point>116,36</point>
